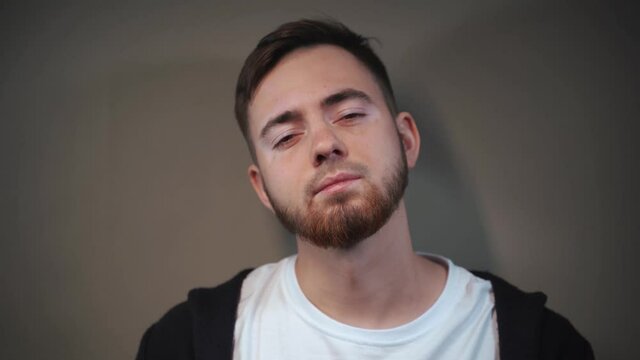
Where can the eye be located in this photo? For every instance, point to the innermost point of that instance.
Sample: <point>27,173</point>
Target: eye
<point>350,117</point>
<point>285,141</point>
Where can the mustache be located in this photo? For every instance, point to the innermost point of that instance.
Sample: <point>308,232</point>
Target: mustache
<point>345,166</point>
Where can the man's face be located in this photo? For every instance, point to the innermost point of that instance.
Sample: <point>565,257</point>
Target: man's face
<point>330,157</point>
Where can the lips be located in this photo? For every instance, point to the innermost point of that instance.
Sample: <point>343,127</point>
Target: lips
<point>336,180</point>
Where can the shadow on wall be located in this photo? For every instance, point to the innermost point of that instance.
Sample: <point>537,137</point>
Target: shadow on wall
<point>443,212</point>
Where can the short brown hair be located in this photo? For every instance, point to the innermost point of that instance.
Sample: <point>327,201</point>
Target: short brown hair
<point>298,34</point>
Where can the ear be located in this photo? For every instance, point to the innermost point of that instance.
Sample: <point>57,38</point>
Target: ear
<point>258,185</point>
<point>410,137</point>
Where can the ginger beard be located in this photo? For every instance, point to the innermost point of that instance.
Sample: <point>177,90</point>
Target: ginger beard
<point>343,220</point>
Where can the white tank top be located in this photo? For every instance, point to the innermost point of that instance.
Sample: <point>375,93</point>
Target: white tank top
<point>276,321</point>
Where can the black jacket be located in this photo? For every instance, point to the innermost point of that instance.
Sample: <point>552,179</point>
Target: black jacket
<point>202,327</point>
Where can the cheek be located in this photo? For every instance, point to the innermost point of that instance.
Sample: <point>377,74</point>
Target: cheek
<point>383,155</point>
<point>381,147</point>
<point>283,183</point>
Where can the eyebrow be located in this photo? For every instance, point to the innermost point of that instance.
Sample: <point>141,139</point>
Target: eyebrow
<point>343,95</point>
<point>333,99</point>
<point>285,117</point>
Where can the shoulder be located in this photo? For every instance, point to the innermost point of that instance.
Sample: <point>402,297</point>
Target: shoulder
<point>181,331</point>
<point>170,337</point>
<point>561,340</point>
<point>528,329</point>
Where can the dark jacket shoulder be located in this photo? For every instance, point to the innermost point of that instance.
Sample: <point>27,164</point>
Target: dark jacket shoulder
<point>169,338</point>
<point>205,322</point>
<point>528,329</point>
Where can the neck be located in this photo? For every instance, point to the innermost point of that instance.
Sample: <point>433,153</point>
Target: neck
<point>379,283</point>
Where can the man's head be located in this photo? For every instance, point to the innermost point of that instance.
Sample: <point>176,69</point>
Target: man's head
<point>330,153</point>
<point>295,35</point>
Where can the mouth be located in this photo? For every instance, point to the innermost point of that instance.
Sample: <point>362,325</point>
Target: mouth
<point>336,183</point>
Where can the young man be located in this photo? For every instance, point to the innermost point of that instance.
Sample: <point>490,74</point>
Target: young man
<point>331,155</point>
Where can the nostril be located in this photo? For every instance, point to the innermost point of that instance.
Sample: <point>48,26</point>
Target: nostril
<point>336,153</point>
<point>320,158</point>
<point>333,155</point>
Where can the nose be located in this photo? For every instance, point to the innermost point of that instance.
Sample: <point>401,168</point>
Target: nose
<point>326,146</point>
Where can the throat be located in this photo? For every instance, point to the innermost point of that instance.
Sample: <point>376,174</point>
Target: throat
<point>375,297</point>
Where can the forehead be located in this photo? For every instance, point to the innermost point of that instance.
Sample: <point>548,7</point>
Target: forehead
<point>306,76</point>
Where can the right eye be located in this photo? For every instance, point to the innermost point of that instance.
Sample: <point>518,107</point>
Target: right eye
<point>285,141</point>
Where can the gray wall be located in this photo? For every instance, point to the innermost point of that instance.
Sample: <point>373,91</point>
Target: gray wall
<point>124,176</point>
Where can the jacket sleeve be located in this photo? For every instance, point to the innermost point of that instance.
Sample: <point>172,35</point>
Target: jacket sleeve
<point>142,349</point>
<point>170,338</point>
<point>202,325</point>
<point>560,340</point>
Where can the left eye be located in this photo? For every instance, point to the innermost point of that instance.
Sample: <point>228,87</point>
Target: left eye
<point>351,116</point>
